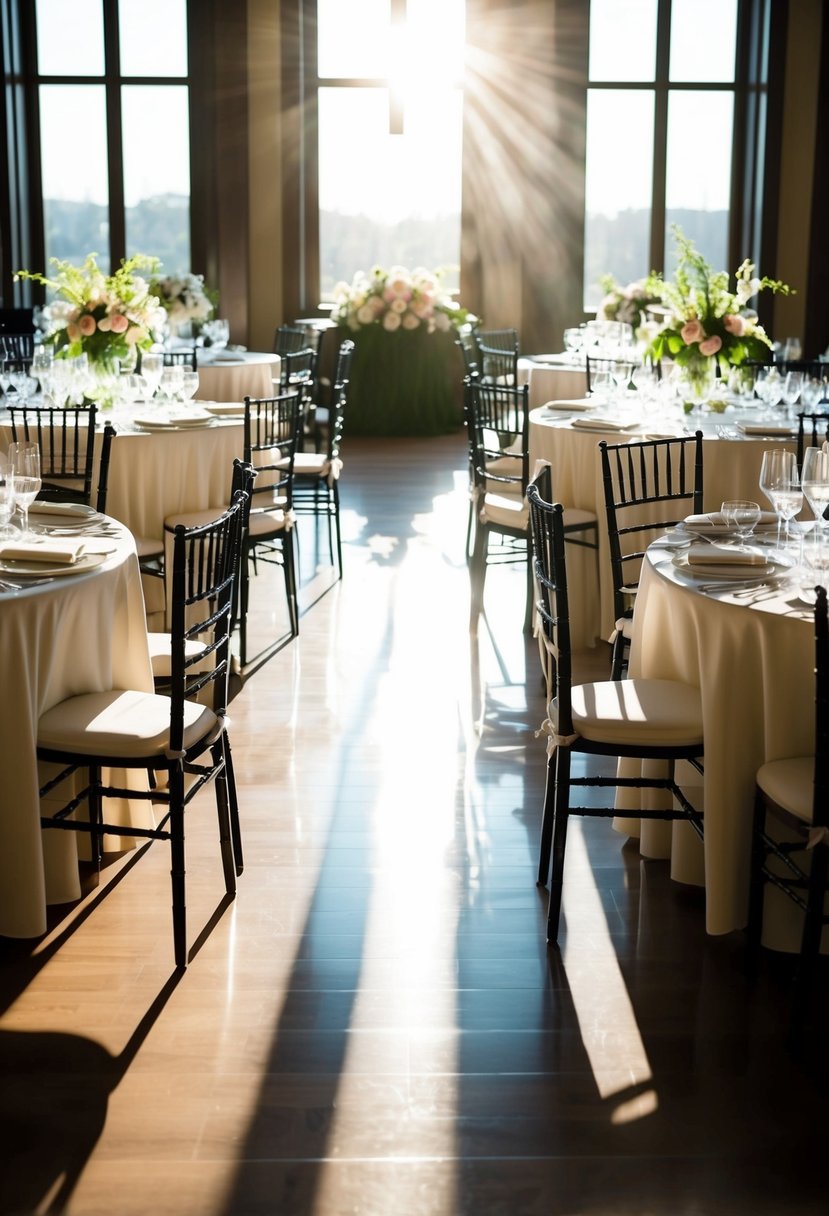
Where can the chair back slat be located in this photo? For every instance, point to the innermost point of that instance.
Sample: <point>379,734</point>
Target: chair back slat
<point>637,478</point>
<point>66,437</point>
<point>821,798</point>
<point>547,524</point>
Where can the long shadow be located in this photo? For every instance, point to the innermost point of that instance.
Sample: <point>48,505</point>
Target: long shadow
<point>54,1094</point>
<point>311,1035</point>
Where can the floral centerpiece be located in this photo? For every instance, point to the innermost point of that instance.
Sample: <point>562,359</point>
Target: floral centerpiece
<point>107,318</point>
<point>709,325</point>
<point>628,304</point>
<point>185,299</point>
<point>403,324</point>
<point>398,299</point>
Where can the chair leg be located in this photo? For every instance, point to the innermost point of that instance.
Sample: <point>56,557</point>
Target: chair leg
<point>335,498</point>
<point>96,839</point>
<point>477,573</point>
<point>176,783</point>
<point>757,884</point>
<point>547,823</point>
<point>244,597</point>
<point>233,807</point>
<point>223,816</point>
<point>618,656</point>
<point>812,929</point>
<point>528,611</point>
<point>290,580</point>
<point>561,810</point>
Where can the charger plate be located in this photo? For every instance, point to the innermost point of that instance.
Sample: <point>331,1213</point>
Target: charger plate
<point>85,563</point>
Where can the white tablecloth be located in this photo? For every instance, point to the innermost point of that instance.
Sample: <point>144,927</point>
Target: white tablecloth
<point>78,633</point>
<point>752,657</point>
<point>731,470</point>
<point>237,375</point>
<point>553,381</point>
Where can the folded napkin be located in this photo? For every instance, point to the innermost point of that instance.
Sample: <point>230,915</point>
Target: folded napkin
<point>719,555</point>
<point>580,403</point>
<point>600,424</point>
<point>764,428</point>
<point>57,551</point>
<point>714,519</point>
<point>76,509</point>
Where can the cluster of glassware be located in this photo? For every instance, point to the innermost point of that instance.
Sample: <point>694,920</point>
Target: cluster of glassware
<point>71,380</point>
<point>20,484</point>
<point>600,339</point>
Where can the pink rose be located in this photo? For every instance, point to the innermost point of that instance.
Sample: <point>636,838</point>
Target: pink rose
<point>87,325</point>
<point>692,331</point>
<point>735,324</point>
<point>710,346</point>
<point>119,323</point>
<point>72,331</point>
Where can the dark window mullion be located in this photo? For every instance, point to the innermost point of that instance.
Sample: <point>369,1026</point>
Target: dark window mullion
<point>660,135</point>
<point>115,159</point>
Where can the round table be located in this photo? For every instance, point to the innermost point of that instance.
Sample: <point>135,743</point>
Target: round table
<point>234,375</point>
<point>750,651</point>
<point>731,470</point>
<point>76,633</point>
<point>552,377</point>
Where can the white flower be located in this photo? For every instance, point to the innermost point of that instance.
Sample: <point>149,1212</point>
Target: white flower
<point>391,321</point>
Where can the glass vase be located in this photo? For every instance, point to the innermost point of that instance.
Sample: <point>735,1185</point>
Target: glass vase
<point>696,380</point>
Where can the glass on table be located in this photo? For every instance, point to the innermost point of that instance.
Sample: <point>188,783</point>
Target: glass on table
<point>741,515</point>
<point>813,570</point>
<point>780,482</point>
<point>6,498</point>
<point>170,382</point>
<point>813,392</point>
<point>573,340</point>
<point>24,459</point>
<point>152,365</point>
<point>792,388</point>
<point>189,385</point>
<point>814,479</point>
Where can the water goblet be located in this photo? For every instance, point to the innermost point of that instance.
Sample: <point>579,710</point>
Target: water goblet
<point>170,383</point>
<point>814,562</point>
<point>814,478</point>
<point>792,388</point>
<point>152,365</point>
<point>189,385</point>
<point>602,385</point>
<point>6,498</point>
<point>42,369</point>
<point>573,340</point>
<point>780,482</point>
<point>812,392</point>
<point>26,482</point>
<point>741,515</point>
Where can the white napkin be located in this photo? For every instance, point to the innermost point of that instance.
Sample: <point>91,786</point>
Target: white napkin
<point>764,428</point>
<point>600,424</point>
<point>57,551</point>
<point>580,403</point>
<point>719,555</point>
<point>61,508</point>
<point>714,519</point>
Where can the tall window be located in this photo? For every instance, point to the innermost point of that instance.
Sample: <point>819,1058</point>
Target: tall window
<point>660,134</point>
<point>112,92</point>
<point>381,159</point>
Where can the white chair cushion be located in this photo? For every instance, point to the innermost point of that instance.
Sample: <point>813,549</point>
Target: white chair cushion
<point>508,512</point>
<point>266,523</point>
<point>195,519</point>
<point>120,723</point>
<point>160,653</point>
<point>659,713</point>
<point>504,466</point>
<point>790,783</point>
<point>310,464</point>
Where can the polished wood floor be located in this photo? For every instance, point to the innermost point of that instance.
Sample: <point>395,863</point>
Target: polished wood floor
<point>375,1025</point>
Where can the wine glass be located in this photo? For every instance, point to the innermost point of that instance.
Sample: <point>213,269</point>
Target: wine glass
<point>780,482</point>
<point>812,392</point>
<point>6,498</point>
<point>573,340</point>
<point>602,385</point>
<point>42,369</point>
<point>792,388</point>
<point>171,381</point>
<point>814,479</point>
<point>152,365</point>
<point>741,515</point>
<point>189,385</point>
<point>25,467</point>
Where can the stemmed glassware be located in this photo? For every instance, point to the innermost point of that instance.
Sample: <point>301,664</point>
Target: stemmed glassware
<point>25,468</point>
<point>6,498</point>
<point>189,385</point>
<point>780,482</point>
<point>814,478</point>
<point>792,388</point>
<point>741,515</point>
<point>152,365</point>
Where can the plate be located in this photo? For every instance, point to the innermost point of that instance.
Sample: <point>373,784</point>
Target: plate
<point>85,563</point>
<point>720,570</point>
<point>186,422</point>
<point>75,515</point>
<point>226,409</point>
